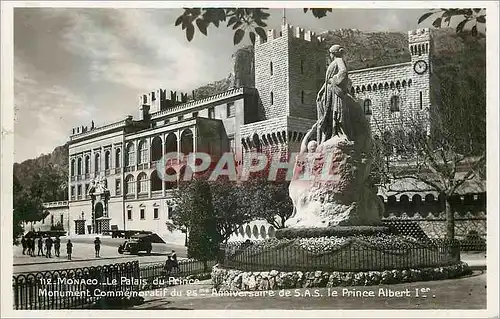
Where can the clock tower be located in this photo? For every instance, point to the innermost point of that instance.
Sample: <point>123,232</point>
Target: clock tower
<point>420,47</point>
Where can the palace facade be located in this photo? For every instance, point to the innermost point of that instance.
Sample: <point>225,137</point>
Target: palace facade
<point>272,116</point>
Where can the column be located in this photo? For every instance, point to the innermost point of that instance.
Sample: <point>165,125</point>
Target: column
<point>194,139</point>
<point>178,153</point>
<point>136,154</point>
<point>162,167</point>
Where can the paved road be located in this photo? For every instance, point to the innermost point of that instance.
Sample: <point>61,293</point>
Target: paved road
<point>463,293</point>
<point>84,255</point>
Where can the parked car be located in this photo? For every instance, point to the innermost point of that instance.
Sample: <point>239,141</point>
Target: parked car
<point>136,243</point>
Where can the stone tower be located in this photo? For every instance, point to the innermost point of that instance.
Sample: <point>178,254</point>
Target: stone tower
<point>420,47</point>
<point>288,72</point>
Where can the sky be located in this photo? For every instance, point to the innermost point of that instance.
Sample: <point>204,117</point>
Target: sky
<point>73,66</point>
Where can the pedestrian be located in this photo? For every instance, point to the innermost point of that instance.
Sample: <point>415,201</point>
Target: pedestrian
<point>24,244</point>
<point>40,246</point>
<point>31,246</point>
<point>97,246</point>
<point>48,245</point>
<point>175,264</point>
<point>57,246</point>
<point>69,248</point>
<point>169,264</point>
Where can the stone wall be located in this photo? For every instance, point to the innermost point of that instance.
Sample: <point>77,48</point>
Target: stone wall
<point>237,280</point>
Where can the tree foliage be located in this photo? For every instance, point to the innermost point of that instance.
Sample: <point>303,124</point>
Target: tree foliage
<point>49,184</point>
<point>197,213</point>
<point>251,21</point>
<point>270,200</point>
<point>473,16</point>
<point>226,200</point>
<point>27,208</point>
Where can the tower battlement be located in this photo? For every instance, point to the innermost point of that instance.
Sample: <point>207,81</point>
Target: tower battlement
<point>419,35</point>
<point>158,100</point>
<point>288,30</point>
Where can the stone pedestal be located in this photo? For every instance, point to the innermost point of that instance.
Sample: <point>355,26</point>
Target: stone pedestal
<point>331,185</point>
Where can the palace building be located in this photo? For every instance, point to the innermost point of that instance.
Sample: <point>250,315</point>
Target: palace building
<point>272,116</point>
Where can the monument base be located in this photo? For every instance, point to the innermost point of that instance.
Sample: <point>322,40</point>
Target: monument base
<point>337,256</point>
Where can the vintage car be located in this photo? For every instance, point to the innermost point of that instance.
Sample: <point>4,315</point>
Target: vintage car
<point>136,243</point>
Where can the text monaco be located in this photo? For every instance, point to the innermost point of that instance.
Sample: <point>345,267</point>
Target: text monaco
<point>115,282</point>
<point>199,162</point>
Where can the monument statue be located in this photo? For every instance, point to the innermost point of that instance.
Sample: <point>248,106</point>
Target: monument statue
<point>342,150</point>
<point>331,96</point>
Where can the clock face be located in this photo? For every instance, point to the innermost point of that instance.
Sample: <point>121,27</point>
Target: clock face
<point>420,66</point>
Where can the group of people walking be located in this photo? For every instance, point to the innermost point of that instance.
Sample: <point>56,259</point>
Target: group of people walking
<point>44,245</point>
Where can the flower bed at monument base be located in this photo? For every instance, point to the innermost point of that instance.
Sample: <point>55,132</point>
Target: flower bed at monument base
<point>224,279</point>
<point>350,254</point>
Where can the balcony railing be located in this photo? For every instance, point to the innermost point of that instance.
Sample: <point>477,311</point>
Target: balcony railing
<point>78,177</point>
<point>87,175</point>
<point>106,172</point>
<point>156,194</point>
<point>129,196</point>
<point>142,195</point>
<point>118,170</point>
<point>129,168</point>
<point>72,197</point>
<point>118,192</point>
<point>73,178</point>
<point>79,197</point>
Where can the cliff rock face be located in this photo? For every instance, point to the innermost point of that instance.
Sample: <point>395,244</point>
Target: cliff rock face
<point>242,75</point>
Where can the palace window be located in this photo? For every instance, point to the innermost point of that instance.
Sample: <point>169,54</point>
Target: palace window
<point>155,213</point>
<point>143,152</point>
<point>97,162</point>
<point>129,214</point>
<point>142,183</point>
<point>367,107</point>
<point>143,214</point>
<point>302,97</point>
<point>72,167</point>
<point>52,220</point>
<point>72,194</point>
<point>195,114</point>
<point>271,67</point>
<point>230,109</point>
<point>272,98</point>
<point>107,159</point>
<point>62,219</point>
<point>117,158</point>
<point>211,113</point>
<point>420,99</point>
<point>79,190</point>
<point>394,103</point>
<point>87,164</point>
<point>79,166</point>
<point>130,155</point>
<point>129,185</point>
<point>118,187</point>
